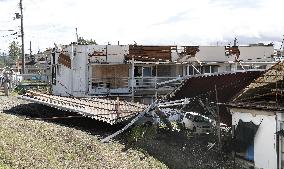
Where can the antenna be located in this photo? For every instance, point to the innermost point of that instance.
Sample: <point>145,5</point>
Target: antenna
<point>30,49</point>
<point>77,35</point>
<point>235,42</point>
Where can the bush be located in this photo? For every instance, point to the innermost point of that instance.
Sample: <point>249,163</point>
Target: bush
<point>141,132</point>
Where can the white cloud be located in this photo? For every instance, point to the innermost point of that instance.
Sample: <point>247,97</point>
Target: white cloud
<point>147,22</point>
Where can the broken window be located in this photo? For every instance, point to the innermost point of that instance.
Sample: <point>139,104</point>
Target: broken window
<point>244,140</point>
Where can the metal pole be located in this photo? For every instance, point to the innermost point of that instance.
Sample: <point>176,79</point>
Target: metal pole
<point>22,35</point>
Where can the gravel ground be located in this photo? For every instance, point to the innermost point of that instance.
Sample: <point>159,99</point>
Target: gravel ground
<point>42,144</point>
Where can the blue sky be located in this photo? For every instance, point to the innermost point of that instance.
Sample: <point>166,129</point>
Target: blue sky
<point>179,22</point>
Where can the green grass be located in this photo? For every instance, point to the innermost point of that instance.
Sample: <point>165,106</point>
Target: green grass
<point>38,144</point>
<point>3,166</point>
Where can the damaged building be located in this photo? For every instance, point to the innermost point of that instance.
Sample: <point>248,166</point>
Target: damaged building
<point>144,71</point>
<point>258,121</point>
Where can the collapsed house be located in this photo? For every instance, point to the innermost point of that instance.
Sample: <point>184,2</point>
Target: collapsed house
<point>258,121</point>
<point>143,72</point>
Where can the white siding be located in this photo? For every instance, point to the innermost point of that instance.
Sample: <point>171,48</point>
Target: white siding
<point>256,53</point>
<point>79,69</point>
<point>265,155</point>
<point>247,53</point>
<point>91,49</point>
<point>116,53</point>
<point>72,81</point>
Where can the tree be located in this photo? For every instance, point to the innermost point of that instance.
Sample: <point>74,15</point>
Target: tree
<point>82,41</point>
<point>2,61</point>
<point>14,50</point>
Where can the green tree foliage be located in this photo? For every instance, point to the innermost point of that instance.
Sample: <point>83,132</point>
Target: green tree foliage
<point>14,50</point>
<point>82,41</point>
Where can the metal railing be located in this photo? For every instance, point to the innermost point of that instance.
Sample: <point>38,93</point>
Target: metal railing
<point>138,82</point>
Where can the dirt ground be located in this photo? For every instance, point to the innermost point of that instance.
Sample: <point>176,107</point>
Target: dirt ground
<point>75,143</point>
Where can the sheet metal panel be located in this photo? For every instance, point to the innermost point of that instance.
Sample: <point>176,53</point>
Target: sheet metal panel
<point>109,111</point>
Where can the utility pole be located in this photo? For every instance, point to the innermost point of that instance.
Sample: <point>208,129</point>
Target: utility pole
<point>22,36</point>
<point>218,121</point>
<point>30,49</point>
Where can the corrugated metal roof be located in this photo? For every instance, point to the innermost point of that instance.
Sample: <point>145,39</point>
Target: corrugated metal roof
<point>110,111</point>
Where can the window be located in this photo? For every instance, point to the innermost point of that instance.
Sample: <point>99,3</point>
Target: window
<point>244,140</point>
<point>214,69</point>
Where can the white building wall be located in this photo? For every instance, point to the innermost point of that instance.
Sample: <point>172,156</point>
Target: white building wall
<point>98,49</point>
<point>79,71</point>
<point>265,155</point>
<point>211,54</point>
<point>247,53</point>
<point>116,53</point>
<point>256,53</point>
<point>72,81</point>
<point>63,83</point>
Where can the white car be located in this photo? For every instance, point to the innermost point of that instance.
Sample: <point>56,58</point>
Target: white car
<point>196,123</point>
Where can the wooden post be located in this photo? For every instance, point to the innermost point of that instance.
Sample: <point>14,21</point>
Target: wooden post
<point>6,88</point>
<point>156,92</point>
<point>218,120</point>
<point>117,107</point>
<point>132,80</point>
